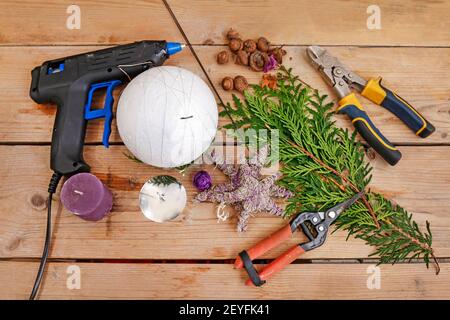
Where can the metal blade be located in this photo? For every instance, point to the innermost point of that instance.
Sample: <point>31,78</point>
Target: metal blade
<point>324,62</point>
<point>336,74</point>
<point>335,211</point>
<point>320,57</point>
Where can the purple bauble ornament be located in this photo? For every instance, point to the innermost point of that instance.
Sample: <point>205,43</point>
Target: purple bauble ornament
<point>202,180</point>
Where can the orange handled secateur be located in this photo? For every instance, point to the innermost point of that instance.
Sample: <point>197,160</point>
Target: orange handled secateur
<point>314,225</point>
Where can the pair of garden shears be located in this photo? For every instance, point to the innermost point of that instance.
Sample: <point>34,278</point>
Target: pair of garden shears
<point>342,80</point>
<point>314,225</point>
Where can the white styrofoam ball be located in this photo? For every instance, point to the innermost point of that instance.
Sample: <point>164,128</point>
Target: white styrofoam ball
<point>167,116</point>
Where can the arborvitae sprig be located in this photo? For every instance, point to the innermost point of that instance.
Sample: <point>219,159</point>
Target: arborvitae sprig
<point>324,165</point>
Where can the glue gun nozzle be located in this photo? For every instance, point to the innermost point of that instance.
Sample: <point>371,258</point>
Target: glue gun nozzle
<point>174,47</point>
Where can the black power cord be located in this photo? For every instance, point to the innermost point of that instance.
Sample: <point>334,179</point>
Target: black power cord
<point>54,181</point>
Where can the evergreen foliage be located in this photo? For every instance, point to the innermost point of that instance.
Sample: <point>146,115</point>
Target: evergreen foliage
<point>324,165</point>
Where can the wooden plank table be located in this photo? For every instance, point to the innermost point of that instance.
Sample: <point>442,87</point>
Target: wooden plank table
<point>127,256</point>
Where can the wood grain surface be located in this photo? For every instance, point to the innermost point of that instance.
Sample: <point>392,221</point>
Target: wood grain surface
<point>201,281</point>
<point>297,22</point>
<point>37,22</point>
<point>300,22</point>
<point>126,256</point>
<point>126,234</point>
<point>404,70</point>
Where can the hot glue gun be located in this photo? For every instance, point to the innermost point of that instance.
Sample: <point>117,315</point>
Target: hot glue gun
<point>70,84</point>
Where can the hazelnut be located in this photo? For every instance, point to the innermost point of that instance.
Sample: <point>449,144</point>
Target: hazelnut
<point>240,83</point>
<point>232,34</point>
<point>249,46</point>
<point>235,44</point>
<point>208,42</point>
<point>227,83</point>
<point>242,58</point>
<point>263,44</point>
<point>258,60</point>
<point>278,54</point>
<point>222,57</point>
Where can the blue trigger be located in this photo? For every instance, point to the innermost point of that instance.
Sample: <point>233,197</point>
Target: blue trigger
<point>107,111</point>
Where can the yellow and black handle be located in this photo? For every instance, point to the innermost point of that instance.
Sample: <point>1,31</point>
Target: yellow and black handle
<point>365,127</point>
<point>377,93</point>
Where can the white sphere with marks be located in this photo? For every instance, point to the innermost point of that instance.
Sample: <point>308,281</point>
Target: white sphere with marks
<point>167,116</point>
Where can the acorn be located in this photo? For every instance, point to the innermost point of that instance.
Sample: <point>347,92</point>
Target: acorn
<point>227,83</point>
<point>223,57</point>
<point>263,44</point>
<point>232,34</point>
<point>249,46</point>
<point>240,83</point>
<point>235,44</point>
<point>242,57</point>
<point>258,60</point>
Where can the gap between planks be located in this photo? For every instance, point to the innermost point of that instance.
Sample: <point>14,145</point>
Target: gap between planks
<point>118,143</point>
<point>111,44</point>
<point>358,261</point>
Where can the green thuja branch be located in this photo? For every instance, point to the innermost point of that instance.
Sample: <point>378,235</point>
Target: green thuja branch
<point>164,180</point>
<point>131,157</point>
<point>324,164</point>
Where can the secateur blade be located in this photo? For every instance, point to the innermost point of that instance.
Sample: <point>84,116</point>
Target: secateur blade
<point>341,207</point>
<point>317,232</point>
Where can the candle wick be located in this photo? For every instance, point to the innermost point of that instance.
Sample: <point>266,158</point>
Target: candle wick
<point>161,196</point>
<point>78,192</point>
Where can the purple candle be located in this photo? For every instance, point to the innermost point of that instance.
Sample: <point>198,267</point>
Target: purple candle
<point>86,196</point>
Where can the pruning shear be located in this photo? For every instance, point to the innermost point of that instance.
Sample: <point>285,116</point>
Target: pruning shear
<point>343,79</point>
<point>314,225</point>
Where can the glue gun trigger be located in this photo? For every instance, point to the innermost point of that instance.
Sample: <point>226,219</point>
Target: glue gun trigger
<point>106,112</point>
